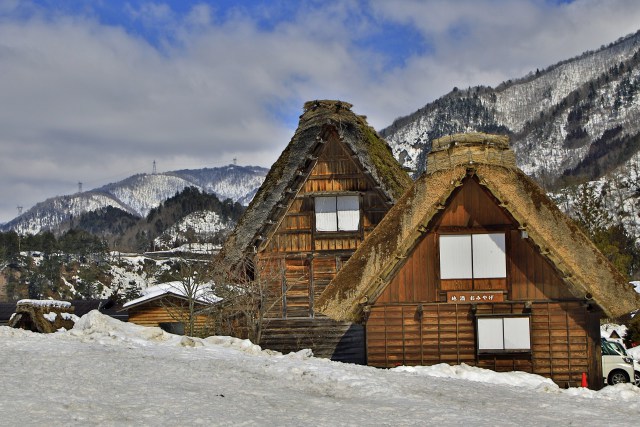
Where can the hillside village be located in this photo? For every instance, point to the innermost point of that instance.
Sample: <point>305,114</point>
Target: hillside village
<point>491,236</point>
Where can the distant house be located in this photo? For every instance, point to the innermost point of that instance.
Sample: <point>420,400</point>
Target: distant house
<point>476,265</point>
<point>331,186</point>
<point>167,305</point>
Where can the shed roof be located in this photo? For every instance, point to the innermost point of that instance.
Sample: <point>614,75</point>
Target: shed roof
<point>176,289</point>
<point>286,176</point>
<point>584,269</point>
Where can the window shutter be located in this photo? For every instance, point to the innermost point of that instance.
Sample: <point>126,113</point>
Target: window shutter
<point>490,334</point>
<point>348,213</point>
<point>455,256</point>
<point>326,219</point>
<point>516,333</point>
<point>489,256</point>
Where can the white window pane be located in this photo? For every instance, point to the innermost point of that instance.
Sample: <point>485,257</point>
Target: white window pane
<point>490,334</point>
<point>489,256</point>
<point>326,219</point>
<point>516,333</point>
<point>455,256</point>
<point>348,212</point>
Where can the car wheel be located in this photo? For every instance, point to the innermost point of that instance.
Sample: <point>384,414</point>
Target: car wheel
<point>618,377</point>
<point>636,377</point>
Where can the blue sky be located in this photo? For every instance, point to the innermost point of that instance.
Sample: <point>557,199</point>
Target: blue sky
<point>96,90</point>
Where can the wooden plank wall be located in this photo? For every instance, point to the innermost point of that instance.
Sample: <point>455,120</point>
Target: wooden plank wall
<point>531,276</point>
<point>472,206</point>
<point>154,313</point>
<point>445,333</point>
<point>340,341</point>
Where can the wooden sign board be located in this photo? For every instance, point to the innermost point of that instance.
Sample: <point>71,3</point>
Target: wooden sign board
<point>474,297</point>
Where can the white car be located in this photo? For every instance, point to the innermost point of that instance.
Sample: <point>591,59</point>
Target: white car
<point>617,366</point>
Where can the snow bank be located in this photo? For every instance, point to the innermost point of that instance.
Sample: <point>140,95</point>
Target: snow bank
<point>236,344</point>
<point>471,373</point>
<point>95,326</point>
<point>229,381</point>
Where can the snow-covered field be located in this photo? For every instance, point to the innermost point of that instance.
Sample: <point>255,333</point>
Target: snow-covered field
<point>111,373</point>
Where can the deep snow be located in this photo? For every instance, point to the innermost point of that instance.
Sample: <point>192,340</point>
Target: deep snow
<point>113,373</point>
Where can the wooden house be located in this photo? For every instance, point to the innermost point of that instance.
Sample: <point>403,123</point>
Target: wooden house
<point>167,306</point>
<point>476,265</point>
<point>326,193</point>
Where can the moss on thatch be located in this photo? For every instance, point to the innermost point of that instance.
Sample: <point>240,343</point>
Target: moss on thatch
<point>586,271</point>
<point>42,316</point>
<point>319,119</point>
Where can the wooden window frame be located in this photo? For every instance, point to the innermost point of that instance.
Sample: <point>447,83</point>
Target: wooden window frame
<point>336,196</point>
<point>503,350</point>
<point>472,259</point>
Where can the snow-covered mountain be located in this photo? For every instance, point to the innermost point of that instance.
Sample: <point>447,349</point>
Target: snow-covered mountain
<point>580,117</point>
<point>201,226</point>
<point>139,194</point>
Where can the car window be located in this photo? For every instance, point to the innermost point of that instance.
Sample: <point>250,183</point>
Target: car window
<point>611,348</point>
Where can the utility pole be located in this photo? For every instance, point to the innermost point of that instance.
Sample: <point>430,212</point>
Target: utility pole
<point>154,167</point>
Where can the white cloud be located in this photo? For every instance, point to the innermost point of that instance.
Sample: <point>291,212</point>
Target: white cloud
<point>94,103</point>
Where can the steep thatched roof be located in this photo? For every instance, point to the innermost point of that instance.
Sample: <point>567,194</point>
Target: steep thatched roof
<point>289,172</point>
<point>584,269</point>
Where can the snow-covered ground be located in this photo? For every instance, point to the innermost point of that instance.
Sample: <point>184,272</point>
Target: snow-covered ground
<point>112,373</point>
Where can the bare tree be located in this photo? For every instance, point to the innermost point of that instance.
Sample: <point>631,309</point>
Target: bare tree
<point>193,296</point>
<point>250,292</point>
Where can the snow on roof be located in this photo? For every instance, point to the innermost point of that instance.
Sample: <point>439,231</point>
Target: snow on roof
<point>607,329</point>
<point>45,303</point>
<point>176,288</point>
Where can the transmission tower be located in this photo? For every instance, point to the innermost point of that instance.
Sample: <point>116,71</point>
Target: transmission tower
<point>19,210</point>
<point>235,161</point>
<point>154,167</point>
<point>79,187</point>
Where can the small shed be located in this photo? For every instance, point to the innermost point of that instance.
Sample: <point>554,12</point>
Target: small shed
<point>476,265</point>
<point>167,305</point>
<point>45,316</point>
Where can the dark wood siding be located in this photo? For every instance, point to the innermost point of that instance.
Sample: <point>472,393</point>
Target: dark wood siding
<point>340,341</point>
<point>155,312</point>
<point>471,206</point>
<point>532,276</point>
<point>561,348</point>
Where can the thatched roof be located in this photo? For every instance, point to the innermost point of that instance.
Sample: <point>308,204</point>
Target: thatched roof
<point>290,171</point>
<point>585,270</point>
<point>44,316</point>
